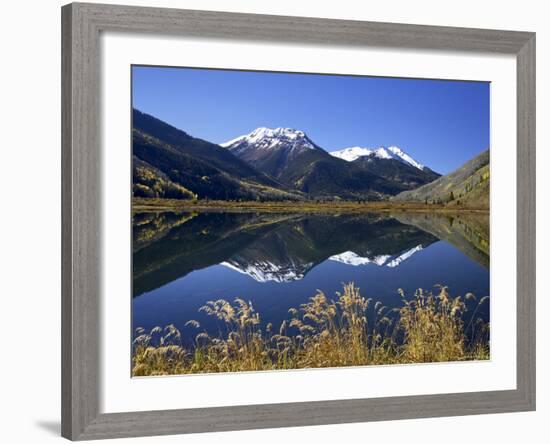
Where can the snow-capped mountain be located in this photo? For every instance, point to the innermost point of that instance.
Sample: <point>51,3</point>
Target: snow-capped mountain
<point>269,271</point>
<point>392,152</point>
<point>266,271</point>
<point>351,258</point>
<point>270,139</point>
<point>282,153</point>
<point>292,158</point>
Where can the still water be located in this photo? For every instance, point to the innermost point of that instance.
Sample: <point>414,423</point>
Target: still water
<point>278,261</point>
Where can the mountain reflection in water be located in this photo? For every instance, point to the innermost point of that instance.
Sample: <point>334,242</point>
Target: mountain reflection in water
<point>278,261</point>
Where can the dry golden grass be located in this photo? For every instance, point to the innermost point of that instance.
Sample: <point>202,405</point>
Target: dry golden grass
<point>321,333</point>
<point>157,204</point>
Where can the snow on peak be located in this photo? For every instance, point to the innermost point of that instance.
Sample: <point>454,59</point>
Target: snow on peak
<point>352,153</point>
<point>351,258</point>
<point>265,271</point>
<point>382,153</point>
<point>392,152</point>
<point>278,132</point>
<point>395,262</point>
<point>272,137</point>
<point>396,151</point>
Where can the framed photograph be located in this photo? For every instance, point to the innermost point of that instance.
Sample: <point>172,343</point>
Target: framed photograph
<point>277,221</point>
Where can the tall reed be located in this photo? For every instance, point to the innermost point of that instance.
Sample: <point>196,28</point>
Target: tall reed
<point>348,330</point>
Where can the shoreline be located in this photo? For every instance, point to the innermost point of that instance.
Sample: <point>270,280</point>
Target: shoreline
<point>159,205</point>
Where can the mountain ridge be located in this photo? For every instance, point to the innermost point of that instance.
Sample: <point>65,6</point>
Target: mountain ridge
<point>270,164</point>
<point>204,169</point>
<point>466,186</point>
<point>290,156</point>
<point>392,152</point>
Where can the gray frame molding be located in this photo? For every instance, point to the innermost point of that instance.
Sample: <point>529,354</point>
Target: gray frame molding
<point>81,26</point>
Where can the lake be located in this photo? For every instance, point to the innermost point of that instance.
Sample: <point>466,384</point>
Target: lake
<point>278,261</point>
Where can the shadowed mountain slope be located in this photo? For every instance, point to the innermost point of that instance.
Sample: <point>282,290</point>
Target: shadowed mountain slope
<point>167,154</point>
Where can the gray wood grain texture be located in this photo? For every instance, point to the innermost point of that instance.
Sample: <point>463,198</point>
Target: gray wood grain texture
<point>80,221</point>
<point>81,230</point>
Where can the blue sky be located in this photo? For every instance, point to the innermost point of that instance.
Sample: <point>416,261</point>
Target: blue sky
<point>440,123</point>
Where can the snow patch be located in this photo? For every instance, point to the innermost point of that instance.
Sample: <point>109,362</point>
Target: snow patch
<point>269,138</point>
<point>405,157</point>
<point>265,271</point>
<point>352,153</point>
<point>351,258</point>
<point>232,141</point>
<point>392,152</point>
<point>397,261</point>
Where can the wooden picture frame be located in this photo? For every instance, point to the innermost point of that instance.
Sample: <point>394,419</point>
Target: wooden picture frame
<point>81,172</point>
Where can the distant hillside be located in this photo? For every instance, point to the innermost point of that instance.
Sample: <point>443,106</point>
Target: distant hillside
<point>149,181</point>
<point>170,163</point>
<point>467,231</point>
<point>467,186</point>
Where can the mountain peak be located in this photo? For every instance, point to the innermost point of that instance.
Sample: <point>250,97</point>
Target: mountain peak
<point>392,152</point>
<point>272,138</point>
<point>277,132</point>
